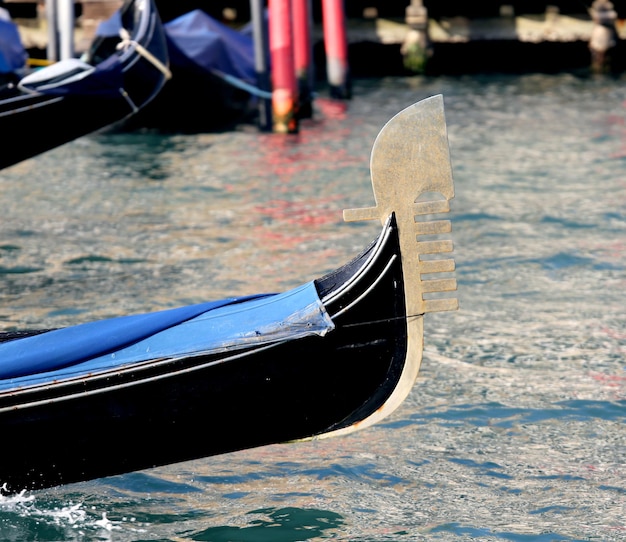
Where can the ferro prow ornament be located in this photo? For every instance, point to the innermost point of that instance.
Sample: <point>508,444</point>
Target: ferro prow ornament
<point>412,180</point>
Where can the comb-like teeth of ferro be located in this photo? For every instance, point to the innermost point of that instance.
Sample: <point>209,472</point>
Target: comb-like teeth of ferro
<point>432,207</point>
<point>433,228</point>
<point>432,284</point>
<point>440,305</point>
<point>434,247</point>
<point>436,266</point>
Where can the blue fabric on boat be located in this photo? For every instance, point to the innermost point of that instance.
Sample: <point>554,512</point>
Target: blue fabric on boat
<point>197,41</point>
<point>111,27</point>
<point>12,53</point>
<point>105,80</point>
<point>206,328</point>
<point>68,346</point>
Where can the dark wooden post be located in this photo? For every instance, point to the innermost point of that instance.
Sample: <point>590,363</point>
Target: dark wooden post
<point>603,35</point>
<point>259,34</point>
<point>52,52</point>
<point>417,48</point>
<point>303,56</point>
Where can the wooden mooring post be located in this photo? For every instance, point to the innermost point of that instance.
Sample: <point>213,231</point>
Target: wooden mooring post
<point>60,16</point>
<point>416,48</point>
<point>65,23</point>
<point>603,35</point>
<point>261,62</point>
<point>52,47</point>
<point>303,56</point>
<point>336,47</point>
<point>284,86</point>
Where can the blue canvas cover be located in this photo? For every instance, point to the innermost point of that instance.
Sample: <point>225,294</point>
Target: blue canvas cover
<point>196,329</point>
<point>12,53</point>
<point>197,41</point>
<point>110,27</point>
<point>71,77</point>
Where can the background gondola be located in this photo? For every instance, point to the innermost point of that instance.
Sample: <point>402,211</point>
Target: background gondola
<point>122,71</point>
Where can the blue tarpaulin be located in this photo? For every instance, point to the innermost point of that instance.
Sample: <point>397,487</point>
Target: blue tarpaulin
<point>12,53</point>
<point>111,27</point>
<point>197,41</point>
<point>72,77</point>
<point>196,329</point>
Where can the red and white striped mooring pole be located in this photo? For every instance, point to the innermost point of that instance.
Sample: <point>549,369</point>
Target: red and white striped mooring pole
<point>284,85</point>
<point>336,47</point>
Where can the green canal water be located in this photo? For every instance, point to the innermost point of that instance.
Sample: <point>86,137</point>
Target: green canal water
<point>515,428</point>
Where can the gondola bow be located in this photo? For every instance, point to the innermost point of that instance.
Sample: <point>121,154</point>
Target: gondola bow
<point>332,356</point>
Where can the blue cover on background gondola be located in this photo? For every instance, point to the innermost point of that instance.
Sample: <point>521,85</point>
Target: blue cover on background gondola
<point>196,329</point>
<point>12,53</point>
<point>110,27</point>
<point>72,77</point>
<point>197,41</point>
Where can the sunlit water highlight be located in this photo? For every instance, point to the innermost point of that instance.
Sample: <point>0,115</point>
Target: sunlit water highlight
<point>515,429</point>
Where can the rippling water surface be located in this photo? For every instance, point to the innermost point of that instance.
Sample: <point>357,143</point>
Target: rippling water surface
<point>515,428</point>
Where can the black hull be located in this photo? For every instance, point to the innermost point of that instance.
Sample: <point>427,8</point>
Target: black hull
<point>194,102</point>
<point>48,122</point>
<point>34,123</point>
<point>169,411</point>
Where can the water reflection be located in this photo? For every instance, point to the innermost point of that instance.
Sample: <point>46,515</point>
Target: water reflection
<point>143,156</point>
<point>276,525</point>
<point>515,428</point>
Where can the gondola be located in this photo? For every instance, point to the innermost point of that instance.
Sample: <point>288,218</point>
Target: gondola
<point>334,355</point>
<point>121,72</point>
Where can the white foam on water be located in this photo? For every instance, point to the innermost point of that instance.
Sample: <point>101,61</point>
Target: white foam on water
<point>78,519</point>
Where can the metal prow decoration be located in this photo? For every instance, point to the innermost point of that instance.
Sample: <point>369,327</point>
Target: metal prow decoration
<point>412,179</point>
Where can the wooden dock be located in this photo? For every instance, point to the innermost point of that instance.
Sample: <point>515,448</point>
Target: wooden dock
<point>392,23</point>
